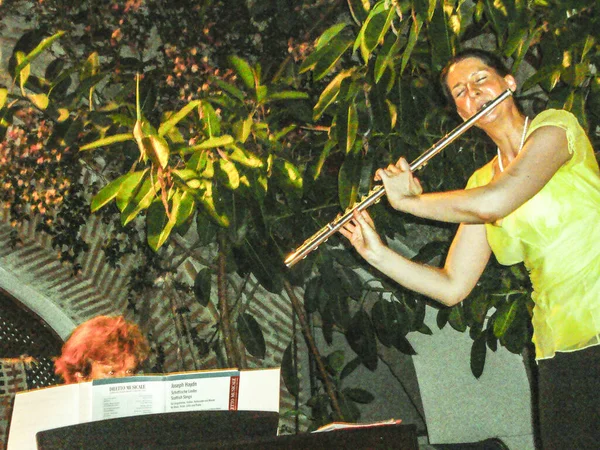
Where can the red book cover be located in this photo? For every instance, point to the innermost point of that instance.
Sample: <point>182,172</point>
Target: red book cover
<point>234,389</point>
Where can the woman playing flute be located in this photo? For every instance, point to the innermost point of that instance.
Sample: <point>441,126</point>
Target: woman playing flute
<point>537,202</point>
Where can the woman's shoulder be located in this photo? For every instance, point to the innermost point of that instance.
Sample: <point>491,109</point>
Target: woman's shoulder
<point>554,117</point>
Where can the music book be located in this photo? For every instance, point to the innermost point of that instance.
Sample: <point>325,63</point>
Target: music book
<point>214,390</point>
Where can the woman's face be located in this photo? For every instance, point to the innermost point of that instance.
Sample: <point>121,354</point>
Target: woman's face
<point>125,367</point>
<point>472,84</point>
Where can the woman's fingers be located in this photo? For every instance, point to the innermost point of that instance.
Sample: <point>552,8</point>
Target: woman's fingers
<point>403,165</point>
<point>416,188</point>
<point>364,217</point>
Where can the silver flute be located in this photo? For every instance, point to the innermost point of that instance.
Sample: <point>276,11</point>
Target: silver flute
<point>313,242</point>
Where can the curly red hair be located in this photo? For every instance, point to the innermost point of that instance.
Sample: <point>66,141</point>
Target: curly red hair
<point>103,339</point>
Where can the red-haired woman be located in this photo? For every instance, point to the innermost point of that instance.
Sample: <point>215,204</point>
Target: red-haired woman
<point>102,347</point>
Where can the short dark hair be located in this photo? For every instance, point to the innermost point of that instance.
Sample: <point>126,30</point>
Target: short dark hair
<point>488,58</point>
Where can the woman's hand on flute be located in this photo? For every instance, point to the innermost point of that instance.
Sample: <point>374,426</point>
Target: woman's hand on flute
<point>398,182</point>
<point>360,231</point>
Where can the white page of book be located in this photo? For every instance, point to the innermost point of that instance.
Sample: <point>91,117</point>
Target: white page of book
<point>201,391</point>
<point>42,409</point>
<point>259,390</point>
<point>124,397</point>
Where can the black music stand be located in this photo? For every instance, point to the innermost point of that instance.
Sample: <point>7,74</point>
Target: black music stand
<point>155,431</point>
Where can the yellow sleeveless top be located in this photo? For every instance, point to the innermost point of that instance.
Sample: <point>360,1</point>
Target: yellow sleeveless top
<point>557,235</point>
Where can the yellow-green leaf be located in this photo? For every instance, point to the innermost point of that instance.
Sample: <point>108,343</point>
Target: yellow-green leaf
<point>23,72</point>
<point>159,225</point>
<point>330,55</point>
<point>3,96</point>
<point>330,93</point>
<point>232,176</point>
<point>90,67</point>
<point>187,206</point>
<point>129,189</point>
<point>106,141</point>
<point>506,316</point>
<point>141,199</point>
<point>160,151</point>
<point>210,119</point>
<point>209,205</point>
<point>215,142</point>
<point>244,70</point>
<point>39,100</point>
<point>127,182</point>
<point>173,120</point>
<point>352,128</point>
<point>244,157</point>
<point>63,114</point>
<point>243,128</point>
<point>324,39</point>
<point>45,43</point>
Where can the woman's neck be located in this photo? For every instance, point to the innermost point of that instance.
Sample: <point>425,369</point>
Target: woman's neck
<point>507,133</point>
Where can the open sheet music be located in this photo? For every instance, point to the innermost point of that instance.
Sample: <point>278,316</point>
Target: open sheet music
<point>59,406</point>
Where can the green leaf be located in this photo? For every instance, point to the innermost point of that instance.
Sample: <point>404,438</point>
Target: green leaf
<point>385,58</point>
<point>287,175</point>
<point>313,294</point>
<point>312,59</point>
<point>350,282</point>
<point>457,318</point>
<point>251,335</point>
<point>127,182</point>
<point>43,45</point>
<point>359,10</point>
<point>90,67</point>
<point>158,223</point>
<point>210,119</point>
<point>289,371</point>
<point>245,72</point>
<point>107,141</point>
<point>3,96</point>
<point>348,181</point>
<point>391,322</point>
<point>440,38</point>
<point>39,100</point>
<point>173,120</point>
<point>202,287</point>
<point>244,157</point>
<point>139,200</point>
<point>375,27</point>
<point>413,37</point>
<point>361,338</point>
<point>214,142</point>
<point>231,178</point>
<point>359,395</point>
<point>229,88</point>
<point>335,360</point>
<point>478,353</point>
<point>160,151</point>
<point>329,34</point>
<point>330,93</point>
<point>339,310</point>
<point>210,205</point>
<point>187,207</point>
<point>24,72</point>
<point>330,55</point>
<point>505,317</point>
<point>287,95</point>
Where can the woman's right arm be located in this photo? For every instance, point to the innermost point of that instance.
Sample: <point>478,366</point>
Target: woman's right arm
<point>449,285</point>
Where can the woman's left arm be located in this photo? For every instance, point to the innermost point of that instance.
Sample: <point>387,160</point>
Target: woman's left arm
<point>544,152</point>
